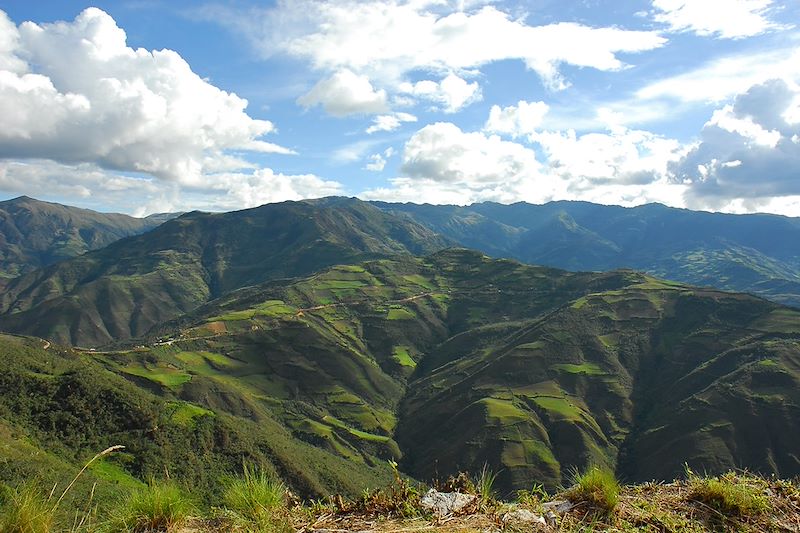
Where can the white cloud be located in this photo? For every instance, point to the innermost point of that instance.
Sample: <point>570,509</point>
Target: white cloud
<point>377,162</point>
<point>74,92</point>
<point>388,40</point>
<point>390,122</point>
<point>728,19</point>
<point>265,186</point>
<point>453,92</point>
<point>443,164</point>
<point>621,157</point>
<point>521,119</point>
<point>722,78</point>
<point>747,154</point>
<point>345,93</point>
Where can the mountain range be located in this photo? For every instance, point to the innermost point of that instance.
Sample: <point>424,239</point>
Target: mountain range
<point>34,234</point>
<point>321,338</point>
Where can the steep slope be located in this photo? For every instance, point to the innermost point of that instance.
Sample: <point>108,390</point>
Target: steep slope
<point>455,360</point>
<point>124,289</point>
<point>750,253</point>
<point>35,234</point>
<point>643,379</point>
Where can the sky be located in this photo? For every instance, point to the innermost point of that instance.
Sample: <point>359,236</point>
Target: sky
<point>145,106</point>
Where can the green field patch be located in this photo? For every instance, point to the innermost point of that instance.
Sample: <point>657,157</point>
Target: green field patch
<point>527,452</point>
<point>333,421</point>
<point>559,405</point>
<point>269,308</point>
<point>400,313</point>
<point>165,376</point>
<point>349,268</point>
<point>768,363</point>
<point>417,279</point>
<point>328,284</point>
<point>184,413</point>
<point>402,357</point>
<point>503,411</point>
<point>579,303</point>
<point>609,341</point>
<point>586,369</point>
<point>537,345</point>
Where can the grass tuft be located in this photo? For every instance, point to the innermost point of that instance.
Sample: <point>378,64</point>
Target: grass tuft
<point>598,487</point>
<point>26,509</point>
<point>157,507</point>
<point>257,501</point>
<point>730,494</point>
<point>484,485</point>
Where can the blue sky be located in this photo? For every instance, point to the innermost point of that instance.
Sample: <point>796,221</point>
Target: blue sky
<point>147,106</point>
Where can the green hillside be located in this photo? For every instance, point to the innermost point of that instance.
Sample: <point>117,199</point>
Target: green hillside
<point>59,407</point>
<point>121,291</point>
<point>35,234</point>
<point>443,363</point>
<point>746,253</point>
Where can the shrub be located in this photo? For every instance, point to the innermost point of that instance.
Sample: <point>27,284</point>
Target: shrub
<point>257,500</point>
<point>156,507</point>
<point>598,487</point>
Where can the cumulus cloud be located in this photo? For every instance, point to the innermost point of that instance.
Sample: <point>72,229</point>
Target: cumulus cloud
<point>345,93</point>
<point>266,186</point>
<point>619,157</point>
<point>442,163</point>
<point>388,41</point>
<point>390,122</point>
<point>377,162</point>
<point>728,19</point>
<point>74,92</point>
<point>748,150</point>
<point>453,92</point>
<point>521,119</point>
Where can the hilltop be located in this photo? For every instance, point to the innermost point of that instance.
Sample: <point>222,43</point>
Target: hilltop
<point>35,234</point>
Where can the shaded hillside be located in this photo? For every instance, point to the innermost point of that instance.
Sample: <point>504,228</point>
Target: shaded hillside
<point>35,234</point>
<point>749,253</point>
<point>642,379</point>
<point>124,289</point>
<point>453,361</point>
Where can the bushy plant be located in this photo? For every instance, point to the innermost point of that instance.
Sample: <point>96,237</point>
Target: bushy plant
<point>597,486</point>
<point>257,501</point>
<point>157,507</point>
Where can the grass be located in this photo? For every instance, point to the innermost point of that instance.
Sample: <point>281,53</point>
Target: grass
<point>730,494</point>
<point>598,487</point>
<point>400,314</point>
<point>402,357</point>
<point>159,506</point>
<point>257,502</point>
<point>26,509</point>
<point>484,484</point>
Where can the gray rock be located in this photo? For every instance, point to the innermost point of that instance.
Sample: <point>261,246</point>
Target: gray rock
<point>442,504</point>
<point>559,506</point>
<point>523,516</point>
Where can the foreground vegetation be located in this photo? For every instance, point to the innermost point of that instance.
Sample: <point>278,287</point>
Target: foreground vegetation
<point>259,502</point>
